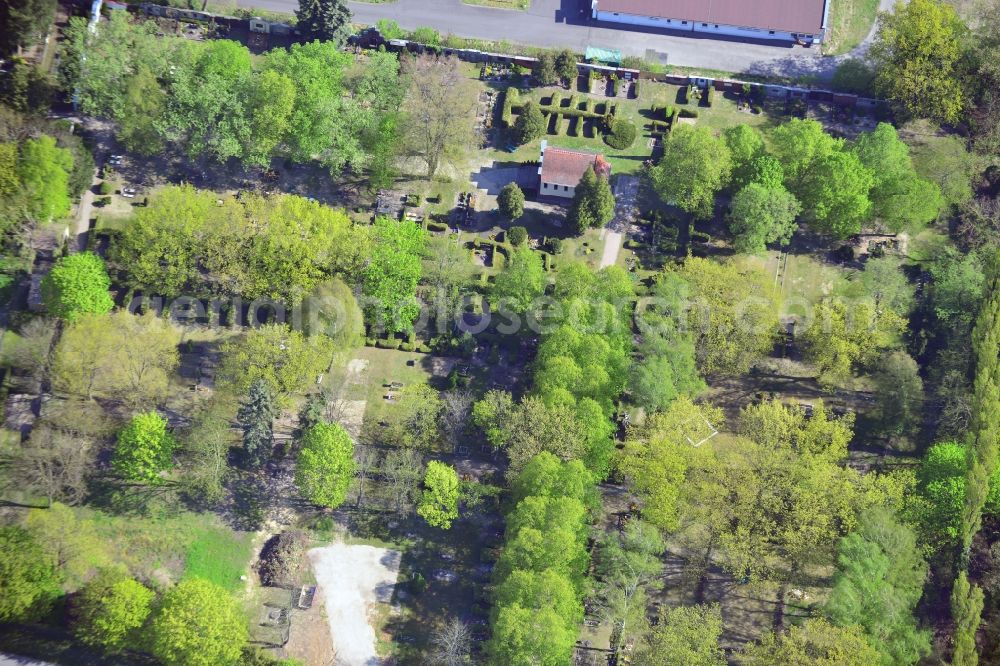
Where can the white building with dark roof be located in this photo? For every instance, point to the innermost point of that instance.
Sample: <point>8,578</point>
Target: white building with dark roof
<point>802,21</point>
<point>561,169</point>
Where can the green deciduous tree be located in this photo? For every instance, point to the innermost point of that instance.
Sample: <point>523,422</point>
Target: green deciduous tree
<point>144,449</point>
<point>919,57</point>
<point>900,198</point>
<point>694,167</point>
<point>43,170</point>
<point>530,123</point>
<point>733,312</point>
<point>390,279</point>
<point>746,147</point>
<point>835,194</point>
<point>325,20</point>
<point>566,66</point>
<point>288,361</point>
<point>110,609</point>
<point>77,284</point>
<point>900,392</point>
<point>845,338</point>
<point>416,421</point>
<point>270,101</point>
<point>684,635</point>
<point>147,103</point>
<point>520,282</point>
<point>814,643</point>
<point>879,580</point>
<point>29,581</point>
<point>197,623</point>
<point>25,22</point>
<point>511,201</point>
<point>69,541</point>
<point>759,215</point>
<point>439,503</point>
<point>325,466</point>
<point>593,202</point>
<point>122,356</point>
<point>799,146</point>
<point>545,69</point>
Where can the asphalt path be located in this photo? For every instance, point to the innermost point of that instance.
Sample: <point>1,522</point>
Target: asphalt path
<point>566,23</point>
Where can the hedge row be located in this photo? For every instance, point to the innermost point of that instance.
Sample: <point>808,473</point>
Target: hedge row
<point>510,97</point>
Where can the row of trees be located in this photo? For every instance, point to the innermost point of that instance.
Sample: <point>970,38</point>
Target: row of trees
<point>836,187</point>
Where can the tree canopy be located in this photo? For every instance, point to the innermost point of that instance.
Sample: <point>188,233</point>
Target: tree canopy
<point>439,503</point>
<point>325,467</point>
<point>197,623</point>
<point>694,167</point>
<point>77,284</point>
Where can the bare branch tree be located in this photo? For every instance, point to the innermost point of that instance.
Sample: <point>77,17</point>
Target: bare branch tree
<point>455,416</point>
<point>452,644</point>
<point>53,463</point>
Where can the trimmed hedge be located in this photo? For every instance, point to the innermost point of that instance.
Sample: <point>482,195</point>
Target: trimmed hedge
<point>707,97</point>
<point>635,88</point>
<point>436,226</point>
<point>556,99</point>
<point>622,134</point>
<point>510,97</point>
<point>689,113</point>
<point>391,343</point>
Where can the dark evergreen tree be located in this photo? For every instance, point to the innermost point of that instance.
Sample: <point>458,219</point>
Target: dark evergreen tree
<point>593,202</point>
<point>325,20</point>
<point>530,124</point>
<point>257,416</point>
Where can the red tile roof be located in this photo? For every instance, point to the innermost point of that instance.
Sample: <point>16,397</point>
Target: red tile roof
<point>801,16</point>
<point>566,167</point>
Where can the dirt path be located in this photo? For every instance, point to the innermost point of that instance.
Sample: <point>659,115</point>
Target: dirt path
<point>354,579</point>
<point>612,244</point>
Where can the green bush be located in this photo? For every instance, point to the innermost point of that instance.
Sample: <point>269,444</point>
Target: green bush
<point>510,97</point>
<point>391,343</point>
<point>635,88</point>
<point>517,235</point>
<point>428,36</point>
<point>689,113</point>
<point>436,226</point>
<point>370,342</point>
<point>423,349</point>
<point>622,134</point>
<point>106,187</point>
<point>555,244</point>
<point>556,99</point>
<point>413,200</point>
<point>547,263</point>
<point>707,97</point>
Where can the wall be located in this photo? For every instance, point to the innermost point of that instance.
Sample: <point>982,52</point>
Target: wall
<point>556,191</point>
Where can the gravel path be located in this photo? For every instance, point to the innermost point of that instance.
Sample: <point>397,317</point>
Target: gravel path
<point>354,579</point>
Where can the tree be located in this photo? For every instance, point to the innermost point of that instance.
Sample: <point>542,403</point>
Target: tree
<point>416,421</point>
<point>29,582</point>
<point>197,623</point>
<point>44,170</point>
<point>879,580</point>
<point>402,469</point>
<point>842,339</point>
<point>655,460</point>
<point>270,102</point>
<point>326,465</point>
<point>120,356</point>
<point>732,311</point>
<point>511,201</point>
<point>627,566</point>
<point>694,167</point>
<point>144,449</point>
<point>887,285</point>
<point>110,609</point>
<point>746,147</point>
<point>966,608</point>
<point>446,268</point>
<point>900,392</point>
<point>77,284</point>
<point>437,108</point>
<point>919,58</point>
<point>835,194</point>
<point>390,280</point>
<point>815,643</point>
<point>283,358</point>
<point>520,282</point>
<point>545,69</point>
<point>566,66</point>
<point>69,542</point>
<point>684,635</point>
<point>900,198</point>
<point>323,20</point>
<point>491,413</point>
<point>758,216</point>
<point>25,22</point>
<point>593,202</point>
<point>439,503</point>
<point>530,123</point>
<point>256,417</point>
<point>138,131</point>
<point>206,453</point>
<point>452,644</point>
<point>800,146</point>
<point>54,463</point>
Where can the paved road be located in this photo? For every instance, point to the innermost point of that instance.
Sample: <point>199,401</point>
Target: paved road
<point>564,23</point>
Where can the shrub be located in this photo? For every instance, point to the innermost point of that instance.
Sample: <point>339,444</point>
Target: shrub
<point>413,199</point>
<point>616,85</point>
<point>390,343</point>
<point>622,134</point>
<point>517,236</point>
<point>556,99</point>
<point>370,342</point>
<point>436,226</point>
<point>635,88</point>
<point>707,98</point>
<point>106,187</point>
<point>428,36</point>
<point>281,558</point>
<point>555,244</point>
<point>689,113</point>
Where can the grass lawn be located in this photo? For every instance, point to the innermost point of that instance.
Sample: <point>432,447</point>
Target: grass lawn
<point>166,549</point>
<point>384,366</point>
<point>220,556</point>
<point>850,23</point>
<point>803,280</point>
